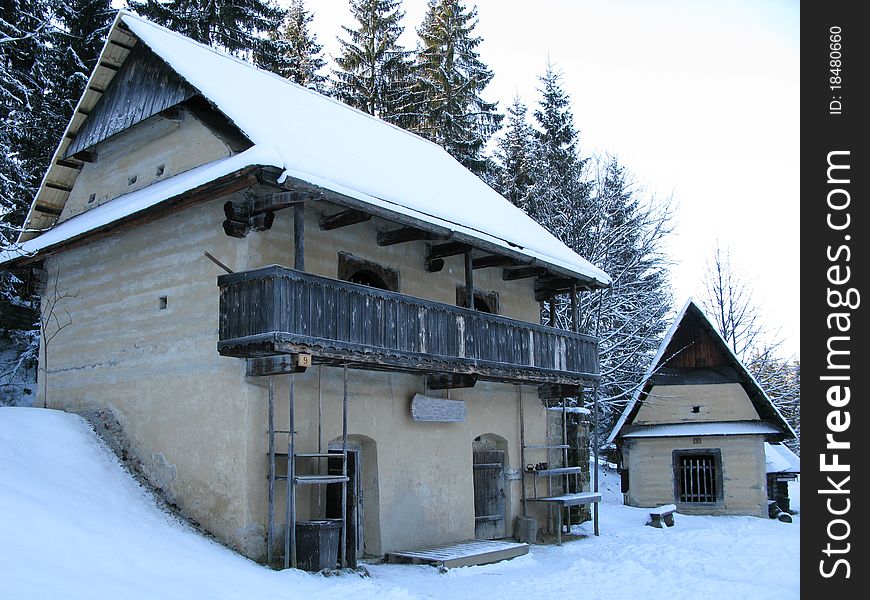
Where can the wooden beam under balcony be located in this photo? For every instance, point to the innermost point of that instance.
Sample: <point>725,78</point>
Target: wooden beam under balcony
<point>343,219</point>
<point>448,381</point>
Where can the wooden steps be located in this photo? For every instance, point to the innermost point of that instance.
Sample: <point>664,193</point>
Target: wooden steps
<point>460,554</point>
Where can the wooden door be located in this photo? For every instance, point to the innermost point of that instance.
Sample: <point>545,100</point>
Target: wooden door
<point>489,494</point>
<point>354,501</point>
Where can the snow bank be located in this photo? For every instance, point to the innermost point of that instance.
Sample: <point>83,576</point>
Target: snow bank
<point>75,525</point>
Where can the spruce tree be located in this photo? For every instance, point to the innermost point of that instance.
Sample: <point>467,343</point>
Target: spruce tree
<point>514,155</point>
<point>25,32</point>
<point>300,57</point>
<point>449,80</point>
<point>373,72</point>
<point>606,218</point>
<point>232,25</point>
<point>559,196</point>
<point>83,26</point>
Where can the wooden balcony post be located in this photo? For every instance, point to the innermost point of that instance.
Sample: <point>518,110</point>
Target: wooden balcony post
<point>575,315</point>
<point>469,281</point>
<point>299,236</point>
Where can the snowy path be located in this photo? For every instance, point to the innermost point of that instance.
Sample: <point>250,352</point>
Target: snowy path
<point>74,525</point>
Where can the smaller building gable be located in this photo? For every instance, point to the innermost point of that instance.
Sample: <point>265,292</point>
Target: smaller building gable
<point>693,354</point>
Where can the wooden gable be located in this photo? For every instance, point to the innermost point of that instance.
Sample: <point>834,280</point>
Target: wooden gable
<point>693,346</point>
<point>143,87</point>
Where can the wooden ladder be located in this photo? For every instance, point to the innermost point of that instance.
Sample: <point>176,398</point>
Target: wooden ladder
<point>293,479</point>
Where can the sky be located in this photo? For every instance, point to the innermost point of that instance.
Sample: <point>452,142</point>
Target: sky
<point>699,99</point>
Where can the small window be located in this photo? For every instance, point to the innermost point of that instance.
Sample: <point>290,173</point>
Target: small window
<point>365,272</point>
<point>162,303</point>
<point>698,477</point>
<point>368,278</point>
<point>696,409</point>
<point>486,302</point>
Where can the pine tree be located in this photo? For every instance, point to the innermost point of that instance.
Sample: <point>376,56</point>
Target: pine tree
<point>623,235</point>
<point>449,81</point>
<point>232,25</point>
<point>83,26</point>
<point>606,219</point>
<point>559,196</point>
<point>514,155</point>
<point>374,70</point>
<point>25,30</point>
<point>301,57</point>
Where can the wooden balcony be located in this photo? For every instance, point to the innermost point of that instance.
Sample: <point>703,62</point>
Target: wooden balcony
<point>276,310</point>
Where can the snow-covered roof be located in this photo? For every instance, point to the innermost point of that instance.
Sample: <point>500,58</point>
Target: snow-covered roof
<point>700,429</point>
<point>321,141</point>
<point>129,205</point>
<point>760,399</point>
<point>780,459</point>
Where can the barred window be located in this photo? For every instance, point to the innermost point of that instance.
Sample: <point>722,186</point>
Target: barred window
<point>697,477</point>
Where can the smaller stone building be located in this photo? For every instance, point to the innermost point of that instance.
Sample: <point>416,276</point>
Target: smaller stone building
<point>694,434</point>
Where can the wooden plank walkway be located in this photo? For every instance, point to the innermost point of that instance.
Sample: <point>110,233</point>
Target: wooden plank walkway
<point>461,554</point>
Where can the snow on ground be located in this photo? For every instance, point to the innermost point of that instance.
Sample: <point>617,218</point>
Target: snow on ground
<point>73,525</point>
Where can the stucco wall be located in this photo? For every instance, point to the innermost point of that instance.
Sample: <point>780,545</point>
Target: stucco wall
<point>200,427</point>
<point>715,402</point>
<point>146,153</point>
<point>184,409</point>
<point>651,472</point>
<point>424,491</point>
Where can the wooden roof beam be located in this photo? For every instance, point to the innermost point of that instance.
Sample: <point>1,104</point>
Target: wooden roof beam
<point>48,210</point>
<point>448,249</point>
<point>497,260</point>
<point>69,164</point>
<point>522,273</point>
<point>343,219</point>
<point>405,234</point>
<point>58,186</point>
<point>277,201</point>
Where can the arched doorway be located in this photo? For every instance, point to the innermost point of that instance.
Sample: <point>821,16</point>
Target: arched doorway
<point>363,510</point>
<point>490,462</point>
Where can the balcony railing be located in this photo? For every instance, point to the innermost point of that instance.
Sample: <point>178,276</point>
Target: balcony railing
<point>275,310</point>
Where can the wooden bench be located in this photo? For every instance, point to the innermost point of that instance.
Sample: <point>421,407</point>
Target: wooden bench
<point>661,516</point>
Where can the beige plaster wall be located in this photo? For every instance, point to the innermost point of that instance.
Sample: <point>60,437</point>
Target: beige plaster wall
<point>651,472</point>
<point>184,408</point>
<point>199,426</point>
<point>424,491</point>
<point>140,152</point>
<point>716,402</point>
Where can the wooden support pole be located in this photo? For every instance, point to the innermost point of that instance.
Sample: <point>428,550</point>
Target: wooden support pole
<point>290,516</point>
<point>344,474</point>
<point>270,533</point>
<point>299,237</point>
<point>551,302</point>
<point>469,281</point>
<point>522,449</point>
<point>565,490</point>
<point>595,459</point>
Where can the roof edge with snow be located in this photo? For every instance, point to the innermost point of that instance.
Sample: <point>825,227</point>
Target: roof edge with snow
<point>426,183</point>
